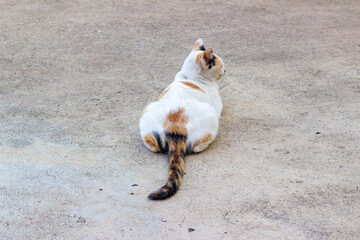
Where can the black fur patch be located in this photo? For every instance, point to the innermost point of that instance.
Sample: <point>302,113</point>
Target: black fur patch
<point>173,168</point>
<point>175,136</point>
<point>166,147</point>
<point>202,48</point>
<point>159,141</point>
<point>182,154</point>
<point>211,62</point>
<point>189,148</point>
<point>165,192</point>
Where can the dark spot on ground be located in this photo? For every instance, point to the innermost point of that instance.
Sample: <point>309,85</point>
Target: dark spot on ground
<point>81,220</point>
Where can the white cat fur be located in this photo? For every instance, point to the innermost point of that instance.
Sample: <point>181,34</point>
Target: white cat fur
<point>203,109</point>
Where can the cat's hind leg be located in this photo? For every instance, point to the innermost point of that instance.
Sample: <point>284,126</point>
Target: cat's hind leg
<point>202,143</point>
<point>153,141</point>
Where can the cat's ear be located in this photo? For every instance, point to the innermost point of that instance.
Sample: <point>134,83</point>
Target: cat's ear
<point>208,54</point>
<point>206,57</point>
<point>199,44</point>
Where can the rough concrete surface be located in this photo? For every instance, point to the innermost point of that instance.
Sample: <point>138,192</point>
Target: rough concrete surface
<point>76,75</point>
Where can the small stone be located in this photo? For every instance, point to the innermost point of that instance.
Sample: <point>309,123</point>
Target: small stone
<point>81,220</point>
<point>191,229</point>
<point>318,133</point>
<point>100,189</point>
<point>134,185</point>
<point>131,193</point>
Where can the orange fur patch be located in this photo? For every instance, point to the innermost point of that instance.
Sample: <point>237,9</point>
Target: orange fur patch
<point>164,93</point>
<point>203,139</point>
<point>208,53</point>
<point>218,63</point>
<point>163,143</point>
<point>198,57</point>
<point>176,121</point>
<point>197,45</point>
<point>151,141</point>
<point>196,87</point>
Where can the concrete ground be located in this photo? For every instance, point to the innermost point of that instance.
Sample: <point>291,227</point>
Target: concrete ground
<point>76,75</point>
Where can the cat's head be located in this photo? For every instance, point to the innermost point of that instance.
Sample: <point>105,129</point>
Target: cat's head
<point>204,62</point>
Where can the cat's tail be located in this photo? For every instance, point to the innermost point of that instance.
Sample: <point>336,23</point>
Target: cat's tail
<point>176,144</point>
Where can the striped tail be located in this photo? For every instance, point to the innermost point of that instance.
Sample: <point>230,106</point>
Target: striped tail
<point>176,144</point>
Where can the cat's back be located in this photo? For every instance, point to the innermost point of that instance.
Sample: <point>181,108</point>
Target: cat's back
<point>192,99</point>
<point>184,92</point>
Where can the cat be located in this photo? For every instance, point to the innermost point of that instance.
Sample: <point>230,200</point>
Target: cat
<point>185,119</point>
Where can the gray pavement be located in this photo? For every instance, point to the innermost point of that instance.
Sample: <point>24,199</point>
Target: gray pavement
<point>76,75</point>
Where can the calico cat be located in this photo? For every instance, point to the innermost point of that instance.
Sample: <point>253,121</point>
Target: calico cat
<point>185,119</point>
